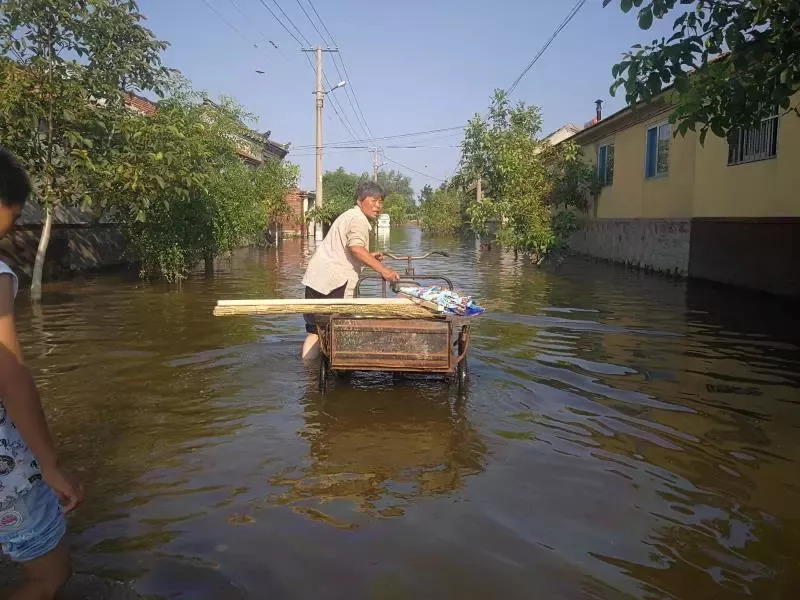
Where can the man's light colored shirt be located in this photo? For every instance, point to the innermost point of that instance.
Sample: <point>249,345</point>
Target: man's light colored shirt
<point>333,265</point>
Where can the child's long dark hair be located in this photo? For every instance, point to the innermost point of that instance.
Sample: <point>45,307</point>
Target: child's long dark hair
<point>15,186</point>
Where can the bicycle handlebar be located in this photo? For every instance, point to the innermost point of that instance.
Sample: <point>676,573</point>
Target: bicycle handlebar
<point>439,252</point>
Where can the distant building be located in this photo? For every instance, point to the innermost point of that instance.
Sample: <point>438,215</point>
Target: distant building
<point>252,147</point>
<point>561,134</point>
<point>294,224</point>
<point>255,148</point>
<point>140,104</point>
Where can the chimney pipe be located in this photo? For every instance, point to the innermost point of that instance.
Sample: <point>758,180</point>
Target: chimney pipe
<point>599,105</point>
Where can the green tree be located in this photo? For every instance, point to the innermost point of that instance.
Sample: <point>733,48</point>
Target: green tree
<point>67,66</point>
<point>394,182</point>
<point>397,207</point>
<point>441,212</point>
<point>525,179</point>
<point>425,194</point>
<point>760,43</point>
<point>339,189</point>
<point>185,195</point>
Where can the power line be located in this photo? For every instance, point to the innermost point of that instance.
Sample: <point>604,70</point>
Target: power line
<point>344,67</point>
<point>288,18</point>
<point>389,137</point>
<point>336,100</point>
<point>570,16</point>
<point>239,10</point>
<point>371,148</point>
<point>352,99</point>
<point>413,170</point>
<point>281,23</point>
<point>348,128</point>
<point>224,20</point>
<point>310,20</point>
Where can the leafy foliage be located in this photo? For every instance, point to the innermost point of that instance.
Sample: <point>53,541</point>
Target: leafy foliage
<point>394,183</point>
<point>425,194</point>
<point>731,63</point>
<point>172,181</point>
<point>196,198</point>
<point>440,213</point>
<point>524,179</point>
<point>65,68</point>
<point>339,189</point>
<point>397,207</point>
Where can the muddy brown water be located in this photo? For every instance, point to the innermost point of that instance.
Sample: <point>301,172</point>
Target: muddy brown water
<point>624,436</point>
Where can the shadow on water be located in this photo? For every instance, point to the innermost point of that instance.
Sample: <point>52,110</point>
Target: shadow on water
<point>625,436</point>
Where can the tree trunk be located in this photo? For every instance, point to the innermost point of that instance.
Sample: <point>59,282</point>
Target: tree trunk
<point>41,251</point>
<point>209,262</point>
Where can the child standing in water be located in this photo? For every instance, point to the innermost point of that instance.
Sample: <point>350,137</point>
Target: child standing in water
<point>32,481</point>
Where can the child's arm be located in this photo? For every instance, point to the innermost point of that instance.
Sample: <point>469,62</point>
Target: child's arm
<point>23,406</point>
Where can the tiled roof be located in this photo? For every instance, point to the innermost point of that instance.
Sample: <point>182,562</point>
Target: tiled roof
<point>143,105</point>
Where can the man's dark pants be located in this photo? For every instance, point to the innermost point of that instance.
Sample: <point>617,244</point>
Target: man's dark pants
<point>313,320</point>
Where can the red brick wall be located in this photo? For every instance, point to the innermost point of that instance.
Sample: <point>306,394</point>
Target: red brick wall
<point>293,222</point>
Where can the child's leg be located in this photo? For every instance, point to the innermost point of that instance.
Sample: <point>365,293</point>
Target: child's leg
<point>45,576</point>
<point>32,532</point>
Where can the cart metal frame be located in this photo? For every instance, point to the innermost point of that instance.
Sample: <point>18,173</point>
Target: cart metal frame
<point>436,345</point>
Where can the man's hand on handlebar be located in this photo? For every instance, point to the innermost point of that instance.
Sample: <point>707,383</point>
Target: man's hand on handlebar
<point>389,275</point>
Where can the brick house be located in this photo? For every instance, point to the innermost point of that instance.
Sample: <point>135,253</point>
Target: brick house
<point>293,224</point>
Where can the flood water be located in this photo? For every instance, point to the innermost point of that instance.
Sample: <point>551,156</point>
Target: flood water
<point>624,436</point>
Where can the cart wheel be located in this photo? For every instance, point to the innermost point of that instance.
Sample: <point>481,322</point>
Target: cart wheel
<point>323,374</point>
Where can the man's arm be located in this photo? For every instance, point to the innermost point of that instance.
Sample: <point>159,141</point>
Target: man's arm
<point>23,406</point>
<point>364,256</point>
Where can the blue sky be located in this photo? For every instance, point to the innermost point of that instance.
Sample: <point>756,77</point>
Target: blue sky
<point>414,65</point>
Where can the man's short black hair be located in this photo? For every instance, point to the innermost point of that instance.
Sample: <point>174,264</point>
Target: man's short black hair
<point>369,189</point>
<point>15,186</point>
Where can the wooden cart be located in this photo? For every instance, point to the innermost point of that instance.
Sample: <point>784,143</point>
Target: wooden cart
<point>436,345</point>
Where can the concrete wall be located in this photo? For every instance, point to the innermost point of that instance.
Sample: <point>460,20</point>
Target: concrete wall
<point>761,254</point>
<point>658,244</point>
<point>71,249</point>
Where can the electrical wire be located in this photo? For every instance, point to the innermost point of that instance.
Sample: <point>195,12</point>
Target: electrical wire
<point>389,137</point>
<point>281,23</point>
<point>399,164</point>
<point>310,20</point>
<point>292,23</point>
<point>347,127</point>
<point>352,99</point>
<point>224,20</point>
<point>344,67</point>
<point>575,9</point>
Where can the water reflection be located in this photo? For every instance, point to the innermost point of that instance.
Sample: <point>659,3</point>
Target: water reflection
<point>380,443</point>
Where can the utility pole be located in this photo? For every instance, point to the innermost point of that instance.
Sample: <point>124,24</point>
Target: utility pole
<point>376,164</point>
<point>320,96</point>
<point>478,190</point>
<point>320,99</point>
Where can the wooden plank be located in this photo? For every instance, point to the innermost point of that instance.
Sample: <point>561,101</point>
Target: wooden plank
<point>426,303</point>
<point>316,301</point>
<point>404,309</point>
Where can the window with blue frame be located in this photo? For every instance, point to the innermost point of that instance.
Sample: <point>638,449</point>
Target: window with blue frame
<point>605,164</point>
<point>656,162</point>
